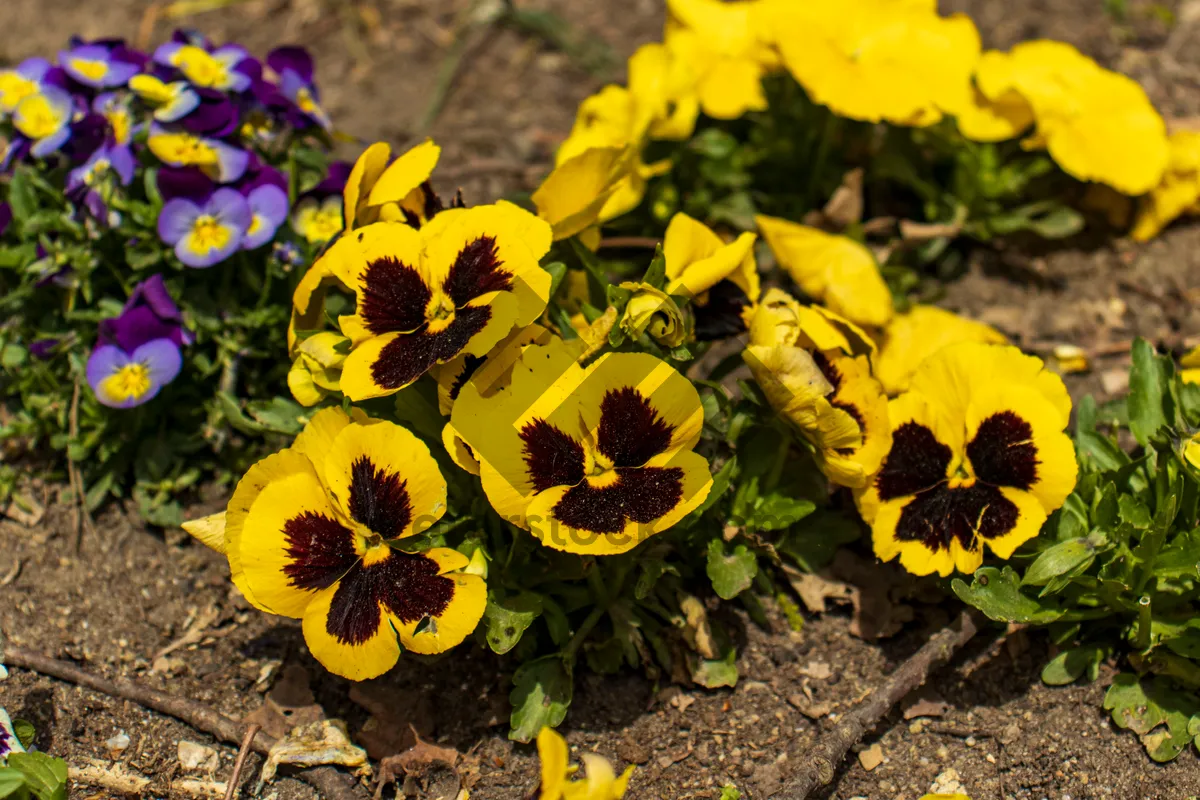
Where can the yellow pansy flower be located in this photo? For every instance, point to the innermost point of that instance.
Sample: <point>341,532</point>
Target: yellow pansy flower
<point>835,270</point>
<point>309,531</point>
<point>1084,113</point>
<point>587,189</point>
<point>379,188</point>
<point>978,457</point>
<point>720,42</point>
<point>1179,191</point>
<point>459,284</point>
<point>599,782</point>
<point>590,460</point>
<point>917,334</point>
<point>876,60</point>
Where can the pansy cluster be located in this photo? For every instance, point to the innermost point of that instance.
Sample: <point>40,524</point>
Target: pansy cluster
<point>153,208</point>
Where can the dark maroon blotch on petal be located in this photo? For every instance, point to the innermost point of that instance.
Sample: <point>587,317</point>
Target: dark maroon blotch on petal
<point>631,431</point>
<point>411,355</point>
<point>552,458</point>
<point>1002,451</point>
<point>394,297</point>
<point>406,584</point>
<point>938,516</point>
<point>916,462</point>
<point>641,495</point>
<point>320,550</point>
<point>476,271</point>
<point>379,499</point>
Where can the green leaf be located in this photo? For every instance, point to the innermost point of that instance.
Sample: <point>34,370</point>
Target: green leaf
<point>777,511</point>
<point>1070,665</point>
<point>718,672</point>
<point>1063,560</point>
<point>232,411</point>
<point>25,732</point>
<point>279,415</point>
<point>45,775</point>
<point>656,273</point>
<point>720,485</point>
<point>558,272</point>
<point>508,619</point>
<point>1058,224</point>
<point>416,406</point>
<point>730,573</point>
<point>21,196</point>
<point>12,784</point>
<point>1148,381</point>
<point>1156,711</point>
<point>997,593</point>
<point>813,543</point>
<point>540,696</point>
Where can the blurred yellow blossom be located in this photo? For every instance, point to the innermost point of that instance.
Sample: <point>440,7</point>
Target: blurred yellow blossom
<point>875,60</point>
<point>832,269</point>
<point>1179,191</point>
<point>720,42</point>
<point>600,782</point>
<point>1097,124</point>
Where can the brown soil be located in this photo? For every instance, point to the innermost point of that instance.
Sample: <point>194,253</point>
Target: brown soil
<point>130,592</point>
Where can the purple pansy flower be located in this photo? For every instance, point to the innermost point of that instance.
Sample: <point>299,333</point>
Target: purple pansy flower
<point>268,208</point>
<point>101,65</point>
<point>88,184</point>
<point>23,80</point>
<point>214,115</point>
<point>187,182</point>
<point>149,314</point>
<point>204,235</point>
<point>294,66</point>
<point>178,147</point>
<point>171,100</point>
<point>44,118</point>
<point>9,741</point>
<point>88,134</point>
<point>227,68</point>
<point>42,349</point>
<point>116,112</point>
<point>123,379</point>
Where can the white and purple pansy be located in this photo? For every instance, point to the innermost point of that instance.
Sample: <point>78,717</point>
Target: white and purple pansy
<point>294,66</point>
<point>123,379</point>
<point>171,101</point>
<point>99,65</point>
<point>205,66</point>
<point>9,741</point>
<point>44,118</point>
<point>108,159</point>
<point>115,109</point>
<point>178,147</point>
<point>268,210</point>
<point>207,233</point>
<point>21,81</point>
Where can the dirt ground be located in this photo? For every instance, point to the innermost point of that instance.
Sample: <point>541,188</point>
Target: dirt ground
<point>131,592</point>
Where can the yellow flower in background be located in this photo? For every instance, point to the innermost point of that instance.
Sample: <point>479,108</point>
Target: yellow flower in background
<point>914,336</point>
<point>590,460</point>
<point>978,457</point>
<point>652,311</point>
<point>459,284</point>
<point>834,270</point>
<point>983,119</point>
<point>381,189</point>
<point>1179,191</point>
<point>599,783</point>
<point>588,189</point>
<point>318,220</point>
<point>663,89</point>
<point>780,320</point>
<point>720,42</point>
<point>308,535</point>
<point>720,278</point>
<point>1085,114</point>
<point>1191,366</point>
<point>875,60</point>
<point>316,371</point>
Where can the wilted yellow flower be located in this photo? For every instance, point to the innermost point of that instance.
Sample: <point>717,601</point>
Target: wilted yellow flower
<point>720,42</point>
<point>914,336</point>
<point>814,369</point>
<point>1179,191</point>
<point>600,782</point>
<point>1085,114</point>
<point>978,457</point>
<point>875,60</point>
<point>832,269</point>
<point>317,370</point>
<point>654,312</point>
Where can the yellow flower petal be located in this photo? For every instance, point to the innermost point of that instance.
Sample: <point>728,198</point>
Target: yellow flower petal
<point>912,337</point>
<point>363,175</point>
<point>405,174</point>
<point>210,531</point>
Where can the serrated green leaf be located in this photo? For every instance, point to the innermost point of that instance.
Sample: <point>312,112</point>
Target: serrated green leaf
<point>540,696</point>
<point>731,572</point>
<point>1155,710</point>
<point>997,593</point>
<point>509,618</point>
<point>12,784</point>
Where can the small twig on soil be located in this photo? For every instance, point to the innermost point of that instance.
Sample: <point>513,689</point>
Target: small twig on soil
<point>115,778</point>
<point>247,740</point>
<point>823,758</point>
<point>648,242</point>
<point>332,784</point>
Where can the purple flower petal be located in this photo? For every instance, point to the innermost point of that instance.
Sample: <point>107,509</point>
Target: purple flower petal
<point>183,103</point>
<point>269,205</point>
<point>165,54</point>
<point>176,219</point>
<point>153,293</point>
<point>187,182</point>
<point>47,146</point>
<point>162,358</point>
<point>228,205</point>
<point>121,160</point>
<point>294,59</point>
<point>259,174</point>
<point>123,380</point>
<point>33,69</point>
<point>231,161</point>
<point>214,114</point>
<point>335,181</point>
<point>42,349</point>
<point>137,326</point>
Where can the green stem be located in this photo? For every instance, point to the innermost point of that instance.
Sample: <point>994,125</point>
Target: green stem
<point>776,473</point>
<point>1142,641</point>
<point>572,649</point>
<point>818,162</point>
<point>606,595</point>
